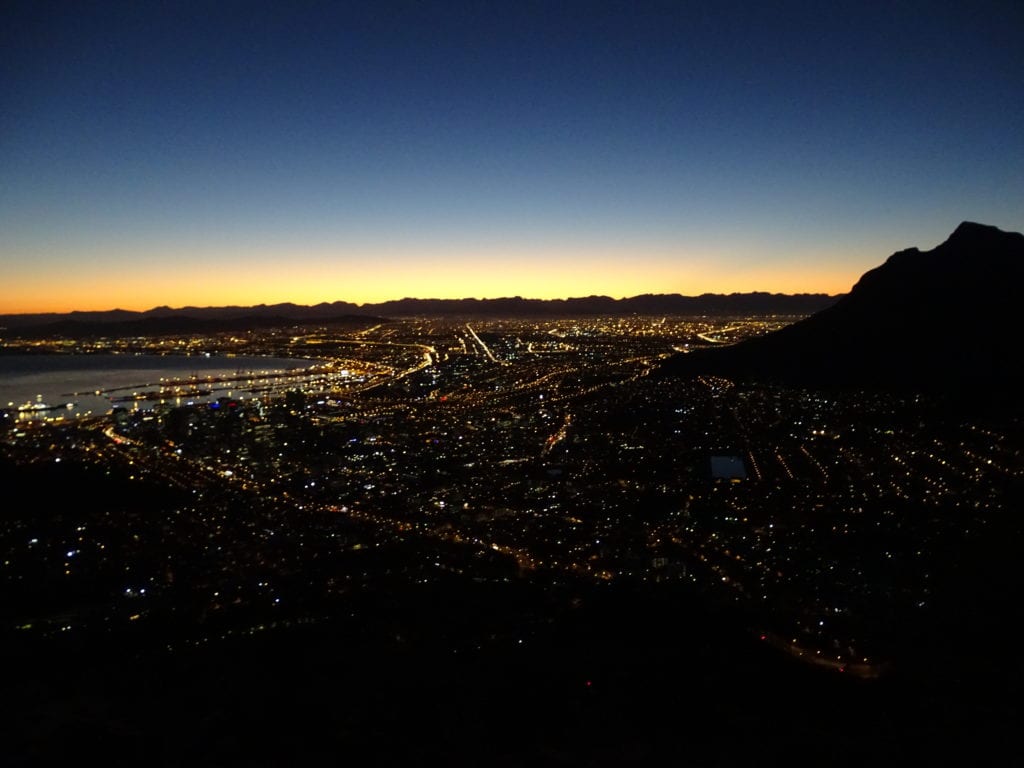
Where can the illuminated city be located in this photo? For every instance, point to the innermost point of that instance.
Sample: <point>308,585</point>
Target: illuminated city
<point>509,449</point>
<point>512,385</point>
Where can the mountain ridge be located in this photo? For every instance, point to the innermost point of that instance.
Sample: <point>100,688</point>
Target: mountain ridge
<point>941,321</point>
<point>756,302</point>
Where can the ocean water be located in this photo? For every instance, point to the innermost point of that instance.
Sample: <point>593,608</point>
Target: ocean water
<point>92,383</point>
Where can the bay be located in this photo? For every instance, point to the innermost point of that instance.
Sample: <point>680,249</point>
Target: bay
<point>93,384</point>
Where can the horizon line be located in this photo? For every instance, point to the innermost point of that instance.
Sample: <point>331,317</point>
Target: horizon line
<point>361,305</point>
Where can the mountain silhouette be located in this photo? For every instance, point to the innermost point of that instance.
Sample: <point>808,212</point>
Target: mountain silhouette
<point>180,325</point>
<point>202,319</point>
<point>944,321</point>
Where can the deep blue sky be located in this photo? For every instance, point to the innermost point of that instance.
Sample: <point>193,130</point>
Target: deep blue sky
<point>208,153</point>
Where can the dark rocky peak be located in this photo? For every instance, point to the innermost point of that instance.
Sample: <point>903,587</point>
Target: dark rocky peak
<point>944,320</point>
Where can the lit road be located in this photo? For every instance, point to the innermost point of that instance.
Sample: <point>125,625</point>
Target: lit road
<point>483,346</point>
<point>712,340</point>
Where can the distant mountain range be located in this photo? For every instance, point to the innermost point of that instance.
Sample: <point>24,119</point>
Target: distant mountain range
<point>149,325</point>
<point>208,319</point>
<point>946,320</point>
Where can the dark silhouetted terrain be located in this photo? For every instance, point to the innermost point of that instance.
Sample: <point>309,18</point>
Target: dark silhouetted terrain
<point>207,319</point>
<point>945,321</point>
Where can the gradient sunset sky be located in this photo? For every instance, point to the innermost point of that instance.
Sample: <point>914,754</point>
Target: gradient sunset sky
<point>210,153</point>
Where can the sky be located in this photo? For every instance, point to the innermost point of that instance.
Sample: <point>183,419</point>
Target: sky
<point>214,153</point>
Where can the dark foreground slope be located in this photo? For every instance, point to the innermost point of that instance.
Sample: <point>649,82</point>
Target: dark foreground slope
<point>631,678</point>
<point>944,321</point>
<point>462,672</point>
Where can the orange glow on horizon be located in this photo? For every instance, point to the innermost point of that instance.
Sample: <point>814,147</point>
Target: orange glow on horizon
<point>252,278</point>
<point>61,299</point>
